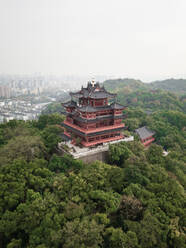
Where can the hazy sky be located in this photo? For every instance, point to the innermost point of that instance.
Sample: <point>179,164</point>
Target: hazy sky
<point>129,38</point>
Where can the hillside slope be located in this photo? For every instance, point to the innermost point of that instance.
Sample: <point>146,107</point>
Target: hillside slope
<point>153,96</point>
<point>173,85</point>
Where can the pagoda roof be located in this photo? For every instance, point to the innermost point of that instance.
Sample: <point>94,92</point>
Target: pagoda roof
<point>91,109</point>
<point>94,91</point>
<point>87,108</point>
<point>144,132</point>
<point>100,94</point>
<point>93,133</point>
<point>116,105</point>
<point>70,104</point>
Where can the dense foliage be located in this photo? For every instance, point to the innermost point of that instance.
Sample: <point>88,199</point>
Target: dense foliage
<point>137,200</point>
<point>53,108</point>
<point>150,97</point>
<point>171,85</point>
<point>174,85</point>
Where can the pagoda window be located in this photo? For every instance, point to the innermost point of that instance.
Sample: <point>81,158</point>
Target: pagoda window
<point>99,103</point>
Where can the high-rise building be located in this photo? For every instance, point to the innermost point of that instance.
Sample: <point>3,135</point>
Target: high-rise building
<point>5,91</point>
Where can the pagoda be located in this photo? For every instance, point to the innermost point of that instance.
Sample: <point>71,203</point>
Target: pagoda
<point>90,119</point>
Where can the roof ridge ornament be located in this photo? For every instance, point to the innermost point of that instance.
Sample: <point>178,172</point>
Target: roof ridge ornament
<point>93,83</point>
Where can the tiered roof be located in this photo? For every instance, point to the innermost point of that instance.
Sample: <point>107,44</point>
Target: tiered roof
<point>70,104</point>
<point>93,91</point>
<point>94,132</point>
<point>116,105</point>
<point>87,108</point>
<point>91,109</point>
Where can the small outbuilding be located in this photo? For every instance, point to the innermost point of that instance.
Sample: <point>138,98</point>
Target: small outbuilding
<point>145,135</point>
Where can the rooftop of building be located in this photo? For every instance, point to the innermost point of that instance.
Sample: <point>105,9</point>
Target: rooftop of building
<point>97,118</point>
<point>92,132</point>
<point>94,91</point>
<point>91,109</point>
<point>87,108</point>
<point>144,132</point>
<point>116,105</point>
<point>70,104</point>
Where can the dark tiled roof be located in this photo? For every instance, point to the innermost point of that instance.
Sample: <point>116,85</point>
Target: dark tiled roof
<point>106,107</point>
<point>76,94</point>
<point>87,109</point>
<point>144,132</point>
<point>94,95</point>
<point>91,91</point>
<point>69,104</point>
<point>116,105</point>
<point>91,134</point>
<point>90,109</point>
<point>101,94</point>
<point>72,129</point>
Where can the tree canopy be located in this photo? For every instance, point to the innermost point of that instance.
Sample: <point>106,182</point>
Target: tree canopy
<point>137,200</point>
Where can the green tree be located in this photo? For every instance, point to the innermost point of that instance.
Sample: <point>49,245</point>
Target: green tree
<point>115,237</point>
<point>155,154</point>
<point>45,120</point>
<point>119,153</point>
<point>82,233</point>
<point>130,208</point>
<point>51,137</point>
<point>26,147</point>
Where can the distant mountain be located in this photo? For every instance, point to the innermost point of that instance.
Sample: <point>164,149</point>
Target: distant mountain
<point>128,85</point>
<point>168,94</point>
<point>174,85</point>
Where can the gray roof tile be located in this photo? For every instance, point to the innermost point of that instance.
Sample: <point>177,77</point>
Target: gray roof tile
<point>70,104</point>
<point>95,92</point>
<point>144,132</point>
<point>87,109</point>
<point>116,105</point>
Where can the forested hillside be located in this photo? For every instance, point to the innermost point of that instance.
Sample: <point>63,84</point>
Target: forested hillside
<point>127,85</point>
<point>137,200</point>
<point>134,93</point>
<point>172,85</point>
